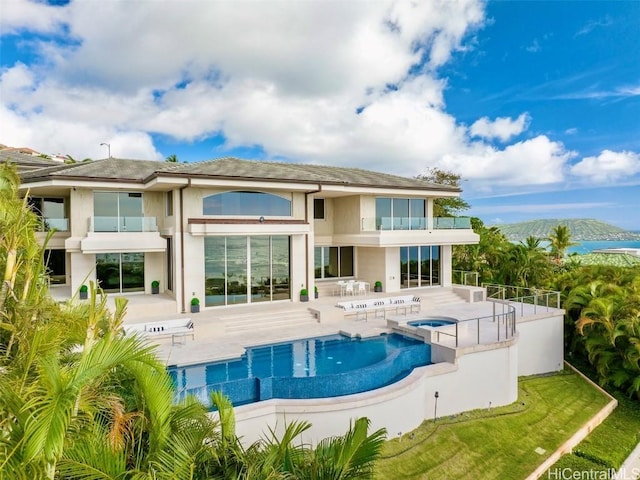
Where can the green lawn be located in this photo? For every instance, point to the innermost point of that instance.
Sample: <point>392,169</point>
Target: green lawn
<point>498,443</point>
<point>609,445</point>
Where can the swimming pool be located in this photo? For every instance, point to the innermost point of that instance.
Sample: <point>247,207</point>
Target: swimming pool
<point>431,322</point>
<point>320,367</point>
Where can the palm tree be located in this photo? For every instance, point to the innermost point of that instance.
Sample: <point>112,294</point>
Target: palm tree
<point>560,240</point>
<point>81,400</point>
<point>173,158</point>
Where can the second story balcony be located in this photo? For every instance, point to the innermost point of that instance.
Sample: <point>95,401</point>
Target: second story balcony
<point>123,224</point>
<point>415,223</point>
<point>46,224</point>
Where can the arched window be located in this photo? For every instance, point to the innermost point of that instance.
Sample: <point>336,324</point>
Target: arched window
<point>246,203</point>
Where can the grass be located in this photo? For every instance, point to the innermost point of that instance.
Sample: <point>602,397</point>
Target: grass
<point>610,444</point>
<point>498,443</point>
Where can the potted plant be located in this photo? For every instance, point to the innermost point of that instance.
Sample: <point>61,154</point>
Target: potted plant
<point>304,295</point>
<point>83,292</point>
<point>195,305</point>
<point>315,291</point>
<point>155,287</point>
<point>377,287</point>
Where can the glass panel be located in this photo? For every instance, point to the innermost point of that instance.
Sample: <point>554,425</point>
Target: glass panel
<point>417,213</point>
<point>105,211</point>
<point>317,262</point>
<point>260,278</point>
<point>169,203</point>
<point>108,271</point>
<point>404,267</point>
<point>246,203</point>
<point>346,261</point>
<point>132,272</point>
<point>280,258</point>
<point>435,265</point>
<point>214,271</point>
<point>414,279</point>
<point>332,269</point>
<point>55,263</point>
<point>383,212</point>
<point>425,266</point>
<point>400,213</point>
<point>236,270</point>
<point>169,263</point>
<point>318,208</point>
<point>131,217</point>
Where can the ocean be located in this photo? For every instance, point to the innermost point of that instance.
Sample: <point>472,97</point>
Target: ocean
<point>589,246</point>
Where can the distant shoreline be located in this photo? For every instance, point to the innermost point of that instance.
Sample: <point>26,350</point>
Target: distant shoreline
<point>587,246</point>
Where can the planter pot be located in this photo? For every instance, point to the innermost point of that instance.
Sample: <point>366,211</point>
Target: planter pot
<point>316,294</point>
<point>195,308</point>
<point>84,295</point>
<point>155,290</point>
<point>377,289</point>
<point>304,298</point>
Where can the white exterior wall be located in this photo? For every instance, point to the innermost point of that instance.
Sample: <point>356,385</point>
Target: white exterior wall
<point>542,344</point>
<point>347,215</point>
<point>400,407</point>
<point>371,265</point>
<point>83,270</point>
<point>446,266</point>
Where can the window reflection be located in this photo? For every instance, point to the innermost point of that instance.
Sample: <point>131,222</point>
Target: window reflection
<point>246,203</point>
<point>419,266</point>
<point>241,269</point>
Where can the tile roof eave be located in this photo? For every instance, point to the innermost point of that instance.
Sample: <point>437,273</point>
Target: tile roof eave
<point>427,187</point>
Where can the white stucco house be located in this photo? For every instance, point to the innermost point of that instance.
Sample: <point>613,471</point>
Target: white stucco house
<point>238,233</point>
<point>233,231</point>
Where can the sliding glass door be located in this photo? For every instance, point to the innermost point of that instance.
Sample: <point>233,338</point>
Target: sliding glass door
<point>419,266</point>
<point>120,272</point>
<point>241,269</point>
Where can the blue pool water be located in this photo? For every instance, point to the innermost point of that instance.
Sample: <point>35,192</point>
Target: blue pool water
<point>311,368</point>
<point>432,322</point>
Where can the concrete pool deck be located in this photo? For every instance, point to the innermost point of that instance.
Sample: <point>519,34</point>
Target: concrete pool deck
<point>225,332</point>
<point>470,376</point>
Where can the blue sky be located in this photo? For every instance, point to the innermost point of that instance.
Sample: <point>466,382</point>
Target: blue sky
<point>536,104</point>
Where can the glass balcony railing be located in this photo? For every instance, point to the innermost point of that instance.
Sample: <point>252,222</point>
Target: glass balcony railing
<point>414,223</point>
<point>123,224</point>
<point>58,224</point>
<point>453,223</point>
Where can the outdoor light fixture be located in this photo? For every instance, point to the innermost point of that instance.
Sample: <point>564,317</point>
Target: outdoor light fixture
<point>261,219</point>
<point>108,145</point>
<point>435,408</point>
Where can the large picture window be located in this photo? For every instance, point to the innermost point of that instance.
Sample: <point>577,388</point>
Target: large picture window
<point>331,262</point>
<point>419,266</point>
<point>246,203</point>
<point>241,269</point>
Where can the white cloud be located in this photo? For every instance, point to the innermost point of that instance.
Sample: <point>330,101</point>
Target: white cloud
<point>608,167</point>
<point>536,161</point>
<point>29,15</point>
<point>325,82</point>
<point>502,128</point>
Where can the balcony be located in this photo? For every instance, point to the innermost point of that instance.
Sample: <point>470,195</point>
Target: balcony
<point>415,223</point>
<point>123,224</point>
<point>46,224</point>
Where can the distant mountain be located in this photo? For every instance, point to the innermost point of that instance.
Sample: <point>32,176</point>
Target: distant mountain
<point>580,228</point>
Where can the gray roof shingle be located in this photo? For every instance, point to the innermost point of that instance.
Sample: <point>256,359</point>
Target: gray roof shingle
<point>116,169</point>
